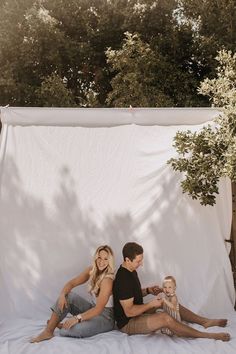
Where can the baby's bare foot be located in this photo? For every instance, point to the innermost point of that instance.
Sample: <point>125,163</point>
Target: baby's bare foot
<point>218,322</point>
<point>45,335</point>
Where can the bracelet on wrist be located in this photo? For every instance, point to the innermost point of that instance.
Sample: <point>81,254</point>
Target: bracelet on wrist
<point>79,318</point>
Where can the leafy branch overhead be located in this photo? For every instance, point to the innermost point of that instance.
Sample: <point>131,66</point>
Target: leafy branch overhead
<point>208,155</point>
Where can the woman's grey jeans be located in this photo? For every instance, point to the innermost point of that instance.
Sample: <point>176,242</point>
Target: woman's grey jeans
<point>77,304</point>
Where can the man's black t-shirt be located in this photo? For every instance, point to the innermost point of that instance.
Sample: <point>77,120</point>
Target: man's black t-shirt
<point>126,285</point>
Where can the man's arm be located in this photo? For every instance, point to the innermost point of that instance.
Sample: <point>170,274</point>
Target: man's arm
<point>153,290</point>
<point>132,310</point>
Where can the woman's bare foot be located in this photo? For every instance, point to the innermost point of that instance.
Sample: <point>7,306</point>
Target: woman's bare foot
<point>225,337</point>
<point>211,323</point>
<point>45,335</point>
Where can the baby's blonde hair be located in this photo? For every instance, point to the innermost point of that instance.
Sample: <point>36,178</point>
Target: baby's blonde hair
<point>170,278</point>
<point>96,276</point>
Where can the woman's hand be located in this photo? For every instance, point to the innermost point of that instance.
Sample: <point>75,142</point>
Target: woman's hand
<point>62,302</point>
<point>70,323</point>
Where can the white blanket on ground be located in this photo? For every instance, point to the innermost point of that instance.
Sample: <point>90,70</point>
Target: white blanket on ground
<point>15,337</point>
<point>67,189</point>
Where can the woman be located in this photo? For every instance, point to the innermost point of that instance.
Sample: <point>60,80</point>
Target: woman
<point>88,318</point>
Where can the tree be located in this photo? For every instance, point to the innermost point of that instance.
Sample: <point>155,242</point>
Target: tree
<point>70,38</point>
<point>41,37</point>
<point>171,43</point>
<point>134,83</point>
<point>210,154</point>
<point>30,50</point>
<point>54,93</point>
<point>215,21</point>
<point>214,24</point>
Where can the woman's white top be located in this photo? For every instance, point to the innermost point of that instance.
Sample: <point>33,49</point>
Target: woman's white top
<point>108,304</point>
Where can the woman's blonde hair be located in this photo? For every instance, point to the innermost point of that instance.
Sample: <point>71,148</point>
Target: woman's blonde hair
<point>96,276</point>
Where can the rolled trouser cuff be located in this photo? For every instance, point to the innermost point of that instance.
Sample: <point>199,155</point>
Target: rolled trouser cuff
<point>61,314</point>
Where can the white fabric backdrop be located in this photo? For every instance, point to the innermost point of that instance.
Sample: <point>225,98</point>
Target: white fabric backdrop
<point>67,189</point>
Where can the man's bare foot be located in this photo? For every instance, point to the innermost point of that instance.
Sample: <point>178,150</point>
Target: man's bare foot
<point>45,335</point>
<point>212,323</point>
<point>225,337</point>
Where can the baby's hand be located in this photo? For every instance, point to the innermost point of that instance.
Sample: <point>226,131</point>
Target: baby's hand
<point>160,296</point>
<point>156,303</point>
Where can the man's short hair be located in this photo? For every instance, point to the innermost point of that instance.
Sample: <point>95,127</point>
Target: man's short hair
<point>131,250</point>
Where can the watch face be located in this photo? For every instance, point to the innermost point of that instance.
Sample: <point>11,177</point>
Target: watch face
<point>79,318</point>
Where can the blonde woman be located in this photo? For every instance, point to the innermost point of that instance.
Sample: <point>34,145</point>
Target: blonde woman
<point>89,318</point>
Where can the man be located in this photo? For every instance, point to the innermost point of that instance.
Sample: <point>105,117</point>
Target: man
<point>135,317</point>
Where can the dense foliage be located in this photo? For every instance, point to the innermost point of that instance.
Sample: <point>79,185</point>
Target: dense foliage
<point>210,154</point>
<point>98,53</point>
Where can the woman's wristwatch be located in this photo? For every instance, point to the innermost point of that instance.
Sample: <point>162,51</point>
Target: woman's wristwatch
<point>78,317</point>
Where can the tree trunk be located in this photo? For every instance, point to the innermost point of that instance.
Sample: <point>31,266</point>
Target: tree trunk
<point>232,254</point>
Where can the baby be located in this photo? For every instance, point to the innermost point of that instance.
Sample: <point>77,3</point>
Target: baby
<point>170,301</point>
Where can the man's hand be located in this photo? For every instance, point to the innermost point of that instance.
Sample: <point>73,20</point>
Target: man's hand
<point>155,290</point>
<point>157,303</point>
<point>70,323</point>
